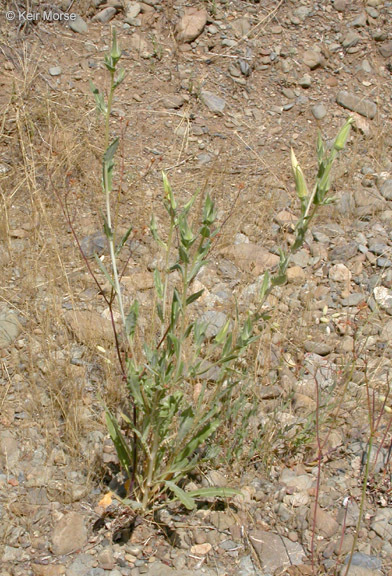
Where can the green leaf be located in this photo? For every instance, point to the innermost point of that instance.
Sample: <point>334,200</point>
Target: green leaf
<point>158,283</point>
<point>194,296</point>
<point>107,230</point>
<point>175,343</point>
<point>265,285</point>
<point>99,99</point>
<point>131,319</point>
<point>123,240</point>
<point>221,336</point>
<point>154,232</point>
<point>105,271</point>
<point>182,496</point>
<point>214,492</point>
<point>124,453</point>
<point>111,151</point>
<point>119,78</point>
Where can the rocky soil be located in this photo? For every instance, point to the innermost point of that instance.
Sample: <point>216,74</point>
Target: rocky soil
<point>216,93</point>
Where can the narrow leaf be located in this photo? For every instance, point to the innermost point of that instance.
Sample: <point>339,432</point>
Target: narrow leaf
<point>182,496</point>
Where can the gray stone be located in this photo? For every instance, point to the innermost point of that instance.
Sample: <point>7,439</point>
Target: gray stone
<point>95,243</point>
<point>386,189</point>
<point>305,81</point>
<point>379,35</point>
<point>357,104</point>
<point>302,13</point>
<point>365,67</point>
<point>251,257</point>
<point>382,524</point>
<point>136,22</point>
<point>350,40</point>
<point>340,5</point>
<point>214,103</point>
<point>9,450</point>
<point>344,252</point>
<point>365,561</point>
<point>359,21</point>
<point>55,71</point>
<point>69,534</point>
<point>312,59</point>
<point>247,568</point>
<point>10,327</point>
<point>386,49</point>
<point>105,15</point>
<point>319,111</point>
<point>241,27</point>
<point>320,348</point>
<point>191,24</point>
<point>132,9</point>
<point>215,320</point>
<point>275,551</point>
<point>354,299</point>
<point>174,101</point>
<point>78,25</point>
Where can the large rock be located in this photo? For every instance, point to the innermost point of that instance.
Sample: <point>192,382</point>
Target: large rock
<point>276,551</point>
<point>69,534</point>
<point>214,103</point>
<point>89,327</point>
<point>191,24</point>
<point>356,103</point>
<point>10,327</point>
<point>312,58</point>
<point>251,257</point>
<point>78,25</point>
<point>386,49</point>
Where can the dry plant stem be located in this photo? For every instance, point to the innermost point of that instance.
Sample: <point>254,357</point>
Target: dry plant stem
<point>373,424</point>
<point>319,459</point>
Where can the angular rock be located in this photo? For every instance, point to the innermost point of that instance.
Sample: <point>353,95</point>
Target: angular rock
<point>251,257</point>
<point>386,49</point>
<point>386,189</point>
<point>10,327</point>
<point>191,25</point>
<point>95,243</point>
<point>48,569</point>
<point>105,15</point>
<point>214,103</point>
<point>215,320</point>
<point>78,25</point>
<point>69,534</point>
<point>339,273</point>
<point>326,525</point>
<point>174,101</point>
<point>9,450</point>
<point>275,551</point>
<point>89,326</point>
<point>241,27</point>
<point>312,58</point>
<point>340,5</point>
<point>132,9</point>
<point>357,104</point>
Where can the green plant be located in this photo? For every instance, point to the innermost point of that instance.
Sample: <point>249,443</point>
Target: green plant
<point>174,412</point>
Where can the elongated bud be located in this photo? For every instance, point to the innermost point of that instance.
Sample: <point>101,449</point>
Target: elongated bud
<point>300,182</point>
<point>115,52</point>
<point>341,138</point>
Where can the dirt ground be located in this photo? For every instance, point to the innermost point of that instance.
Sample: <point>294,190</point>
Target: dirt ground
<point>219,113</point>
